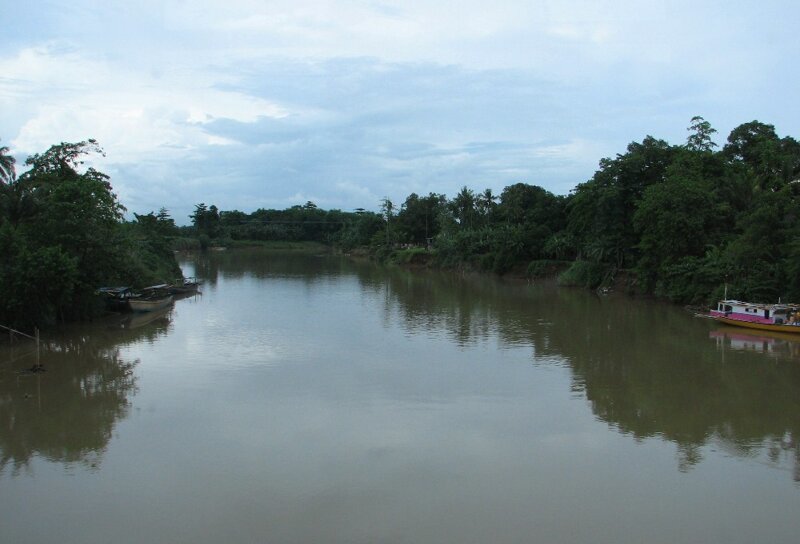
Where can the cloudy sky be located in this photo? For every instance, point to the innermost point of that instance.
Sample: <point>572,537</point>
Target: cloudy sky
<point>247,104</point>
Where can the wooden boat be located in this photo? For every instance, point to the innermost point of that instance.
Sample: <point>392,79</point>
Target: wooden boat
<point>184,286</point>
<point>149,304</point>
<point>150,299</point>
<point>115,298</point>
<point>783,318</point>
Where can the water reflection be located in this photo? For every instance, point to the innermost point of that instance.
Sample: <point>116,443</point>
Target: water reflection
<point>647,369</point>
<point>214,266</point>
<point>67,413</point>
<point>305,399</point>
<point>777,345</point>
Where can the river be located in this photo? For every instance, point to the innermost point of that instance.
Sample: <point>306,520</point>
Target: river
<point>316,399</point>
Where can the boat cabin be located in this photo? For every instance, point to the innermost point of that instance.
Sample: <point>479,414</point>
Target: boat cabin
<point>768,314</point>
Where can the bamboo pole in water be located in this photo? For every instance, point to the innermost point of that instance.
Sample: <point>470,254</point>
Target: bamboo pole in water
<point>11,332</point>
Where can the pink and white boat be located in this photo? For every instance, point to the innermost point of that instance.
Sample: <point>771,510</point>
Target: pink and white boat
<point>767,317</point>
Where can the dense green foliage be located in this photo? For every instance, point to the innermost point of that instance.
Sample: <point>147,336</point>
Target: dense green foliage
<point>681,221</point>
<point>62,236</point>
<point>305,223</point>
<point>678,221</point>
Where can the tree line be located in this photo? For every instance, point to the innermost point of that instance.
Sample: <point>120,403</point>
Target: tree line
<point>306,223</point>
<point>681,222</point>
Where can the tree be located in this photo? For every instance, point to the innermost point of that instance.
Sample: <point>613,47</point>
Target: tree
<point>63,159</point>
<point>769,161</point>
<point>7,172</point>
<point>417,219</point>
<point>700,139</point>
<point>159,225</point>
<point>672,220</point>
<point>463,207</point>
<point>601,210</point>
<point>37,284</point>
<point>486,204</point>
<point>530,204</point>
<point>387,211</point>
<point>61,237</point>
<point>205,220</point>
<point>17,202</point>
<point>530,216</point>
<point>765,245</point>
<point>360,229</point>
<point>78,211</point>
<point>165,223</point>
<point>749,142</point>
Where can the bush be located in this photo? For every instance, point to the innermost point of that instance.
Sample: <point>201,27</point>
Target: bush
<point>584,274</point>
<point>413,255</point>
<point>545,268</point>
<point>204,241</point>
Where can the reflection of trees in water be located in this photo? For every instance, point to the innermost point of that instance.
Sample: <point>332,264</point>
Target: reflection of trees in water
<point>67,414</point>
<point>462,308</point>
<point>265,263</point>
<point>666,379</point>
<point>645,368</point>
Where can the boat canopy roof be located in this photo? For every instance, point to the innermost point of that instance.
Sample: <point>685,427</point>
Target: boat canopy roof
<point>156,287</point>
<point>759,306</point>
<point>113,290</point>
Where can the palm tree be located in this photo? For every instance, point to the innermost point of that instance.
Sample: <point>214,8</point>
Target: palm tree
<point>463,205</point>
<point>486,202</point>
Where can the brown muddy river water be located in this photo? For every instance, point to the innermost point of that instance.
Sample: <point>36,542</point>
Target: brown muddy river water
<point>313,399</point>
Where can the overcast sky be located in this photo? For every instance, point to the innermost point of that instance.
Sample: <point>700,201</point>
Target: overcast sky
<point>248,104</point>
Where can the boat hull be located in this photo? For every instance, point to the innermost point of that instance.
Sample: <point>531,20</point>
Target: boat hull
<point>790,329</point>
<point>149,305</point>
<point>176,290</point>
<point>184,286</point>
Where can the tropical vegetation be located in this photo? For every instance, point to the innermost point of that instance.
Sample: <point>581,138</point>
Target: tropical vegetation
<point>62,235</point>
<point>682,222</point>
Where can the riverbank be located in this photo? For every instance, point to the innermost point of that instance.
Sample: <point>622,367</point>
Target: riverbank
<point>567,273</point>
<point>583,274</point>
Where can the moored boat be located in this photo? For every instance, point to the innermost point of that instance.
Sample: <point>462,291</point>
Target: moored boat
<point>149,304</point>
<point>184,286</point>
<point>115,298</point>
<point>767,317</point>
<point>152,298</point>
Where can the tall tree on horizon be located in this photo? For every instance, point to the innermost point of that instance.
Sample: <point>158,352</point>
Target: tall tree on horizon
<point>7,171</point>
